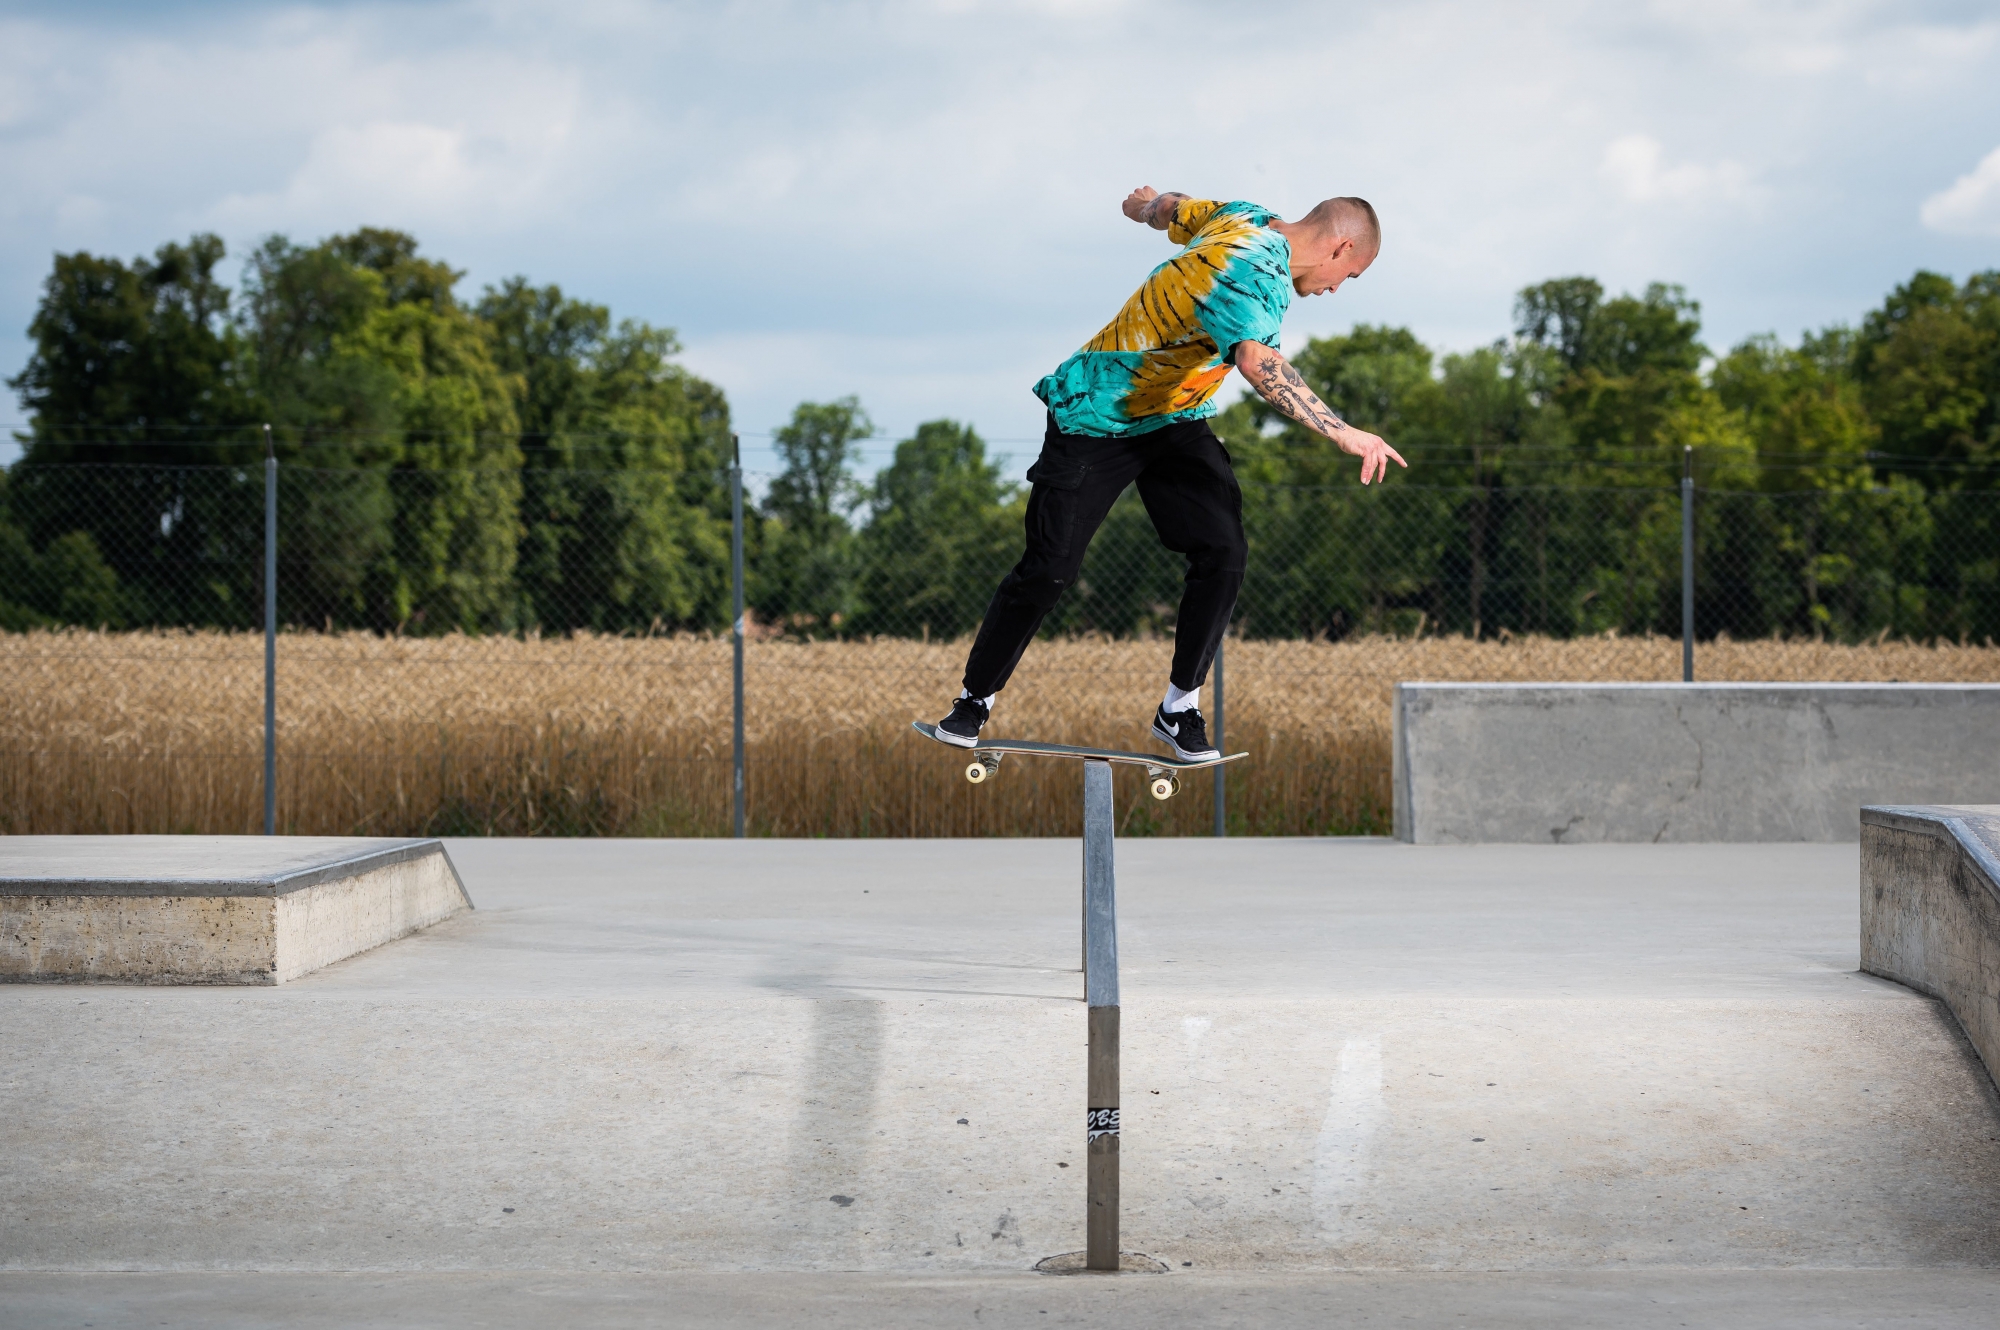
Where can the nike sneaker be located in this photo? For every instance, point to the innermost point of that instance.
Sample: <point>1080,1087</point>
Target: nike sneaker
<point>962,726</point>
<point>1185,732</point>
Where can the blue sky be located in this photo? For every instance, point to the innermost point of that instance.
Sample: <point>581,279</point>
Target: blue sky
<point>918,202</point>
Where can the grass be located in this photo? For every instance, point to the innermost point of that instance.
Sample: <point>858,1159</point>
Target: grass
<point>163,732</point>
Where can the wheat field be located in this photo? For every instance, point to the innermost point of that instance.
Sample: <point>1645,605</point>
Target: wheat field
<point>163,731</point>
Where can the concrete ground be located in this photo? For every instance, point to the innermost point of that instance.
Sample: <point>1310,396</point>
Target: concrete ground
<point>750,1083</point>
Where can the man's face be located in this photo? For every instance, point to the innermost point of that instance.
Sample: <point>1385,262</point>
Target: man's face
<point>1324,278</point>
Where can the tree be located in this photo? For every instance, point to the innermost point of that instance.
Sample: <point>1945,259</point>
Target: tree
<point>805,577</point>
<point>1560,315</point>
<point>1325,559</point>
<point>402,509</point>
<point>399,416</point>
<point>68,582</point>
<point>1929,365</point>
<point>1487,411</point>
<point>943,529</point>
<point>545,342</point>
<point>816,490</point>
<point>1801,408</point>
<point>303,312</point>
<point>131,354</point>
<point>456,477</point>
<point>392,256</point>
<point>626,522</point>
<point>1630,372</point>
<point>136,365</point>
<point>1631,400</point>
<point>333,409</point>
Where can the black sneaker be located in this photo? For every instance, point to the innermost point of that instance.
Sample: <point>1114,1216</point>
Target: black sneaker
<point>962,726</point>
<point>1185,732</point>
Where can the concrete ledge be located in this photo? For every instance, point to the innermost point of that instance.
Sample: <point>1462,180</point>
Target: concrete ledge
<point>1930,909</point>
<point>1569,763</point>
<point>211,909</point>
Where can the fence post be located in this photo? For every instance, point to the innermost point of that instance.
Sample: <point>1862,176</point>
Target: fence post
<point>736,632</point>
<point>1221,826</point>
<point>1687,565</point>
<point>270,635</point>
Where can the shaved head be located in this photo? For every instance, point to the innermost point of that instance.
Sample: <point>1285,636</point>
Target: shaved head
<point>1348,218</point>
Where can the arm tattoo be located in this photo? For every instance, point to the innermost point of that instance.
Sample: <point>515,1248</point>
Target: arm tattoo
<point>1286,389</point>
<point>1163,206</point>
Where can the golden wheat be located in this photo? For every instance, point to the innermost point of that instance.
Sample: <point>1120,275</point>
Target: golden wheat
<point>131,732</point>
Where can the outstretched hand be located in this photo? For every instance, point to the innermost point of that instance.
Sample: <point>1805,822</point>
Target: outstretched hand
<point>1374,452</point>
<point>1277,382</point>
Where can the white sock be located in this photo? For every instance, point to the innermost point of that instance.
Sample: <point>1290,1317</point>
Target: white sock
<point>987,700</point>
<point>1179,699</point>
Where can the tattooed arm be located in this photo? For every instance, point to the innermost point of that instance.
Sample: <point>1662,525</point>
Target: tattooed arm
<point>1287,391</point>
<point>1148,205</point>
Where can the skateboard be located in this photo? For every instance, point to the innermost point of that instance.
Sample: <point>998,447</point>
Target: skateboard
<point>1163,773</point>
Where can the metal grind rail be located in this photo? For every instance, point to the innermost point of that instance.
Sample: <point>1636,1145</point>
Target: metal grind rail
<point>1100,994</point>
<point>1100,959</point>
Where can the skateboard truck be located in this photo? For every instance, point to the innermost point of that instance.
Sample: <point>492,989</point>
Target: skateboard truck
<point>981,768</point>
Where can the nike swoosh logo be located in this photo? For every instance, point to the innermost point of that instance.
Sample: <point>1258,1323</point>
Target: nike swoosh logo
<point>1173,729</point>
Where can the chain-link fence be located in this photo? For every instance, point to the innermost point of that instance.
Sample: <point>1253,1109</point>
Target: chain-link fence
<point>548,651</point>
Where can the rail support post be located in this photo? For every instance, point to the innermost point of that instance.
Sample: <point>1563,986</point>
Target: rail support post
<point>1100,983</point>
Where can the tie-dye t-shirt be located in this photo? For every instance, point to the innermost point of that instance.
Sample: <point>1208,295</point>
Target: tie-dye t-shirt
<point>1169,349</point>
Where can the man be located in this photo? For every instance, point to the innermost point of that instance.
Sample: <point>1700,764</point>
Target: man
<point>1133,405</point>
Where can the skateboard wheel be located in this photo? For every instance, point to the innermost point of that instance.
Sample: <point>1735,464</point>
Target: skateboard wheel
<point>976,772</point>
<point>1165,786</point>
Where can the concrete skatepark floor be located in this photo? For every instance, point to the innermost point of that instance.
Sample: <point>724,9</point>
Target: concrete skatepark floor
<point>742,1083</point>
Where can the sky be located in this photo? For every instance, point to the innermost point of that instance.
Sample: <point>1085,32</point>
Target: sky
<point>918,203</point>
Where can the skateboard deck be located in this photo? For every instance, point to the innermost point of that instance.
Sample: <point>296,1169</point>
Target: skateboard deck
<point>1163,770</point>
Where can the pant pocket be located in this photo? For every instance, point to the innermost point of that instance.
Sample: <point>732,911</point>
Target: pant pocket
<point>1052,504</point>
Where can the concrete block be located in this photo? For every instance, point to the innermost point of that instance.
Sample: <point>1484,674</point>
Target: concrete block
<point>211,909</point>
<point>1930,909</point>
<point>1568,763</point>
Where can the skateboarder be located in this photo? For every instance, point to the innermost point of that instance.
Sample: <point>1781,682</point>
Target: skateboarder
<point>1133,405</point>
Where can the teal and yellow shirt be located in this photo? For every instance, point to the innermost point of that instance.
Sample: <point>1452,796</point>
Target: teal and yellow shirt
<point>1162,359</point>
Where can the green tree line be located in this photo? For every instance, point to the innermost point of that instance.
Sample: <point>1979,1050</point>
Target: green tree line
<point>521,461</point>
<point>1847,484</point>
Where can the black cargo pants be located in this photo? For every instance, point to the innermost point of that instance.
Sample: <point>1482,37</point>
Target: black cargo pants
<point>1191,494</point>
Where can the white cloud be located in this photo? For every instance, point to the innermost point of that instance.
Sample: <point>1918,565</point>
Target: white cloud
<point>916,200</point>
<point>398,170</point>
<point>1637,165</point>
<point>1971,206</point>
<point>1880,42</point>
